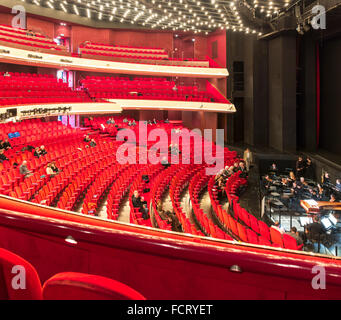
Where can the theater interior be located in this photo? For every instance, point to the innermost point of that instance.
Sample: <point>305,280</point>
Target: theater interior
<point>170,149</point>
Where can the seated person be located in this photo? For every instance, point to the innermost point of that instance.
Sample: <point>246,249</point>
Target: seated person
<point>52,169</point>
<point>3,156</point>
<point>332,198</point>
<point>145,212</point>
<point>176,225</point>
<point>338,185</point>
<point>93,143</point>
<point>294,233</point>
<point>236,167</point>
<point>43,151</point>
<point>5,145</point>
<point>137,200</point>
<point>24,170</point>
<point>86,138</point>
<point>314,230</point>
<point>167,121</point>
<point>37,153</point>
<point>301,183</point>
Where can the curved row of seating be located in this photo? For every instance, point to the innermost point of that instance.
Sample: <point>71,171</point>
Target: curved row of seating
<point>243,225</point>
<point>17,89</point>
<point>179,182</point>
<point>160,186</point>
<point>82,160</point>
<point>25,188</point>
<point>119,189</point>
<point>196,186</point>
<point>25,39</point>
<point>99,186</point>
<point>141,88</point>
<point>85,178</point>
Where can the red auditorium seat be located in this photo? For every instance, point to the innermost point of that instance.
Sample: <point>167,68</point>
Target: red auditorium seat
<point>264,230</point>
<point>276,237</point>
<point>80,286</point>
<point>33,286</point>
<point>291,243</point>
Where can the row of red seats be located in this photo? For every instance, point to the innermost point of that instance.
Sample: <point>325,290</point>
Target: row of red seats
<point>85,178</point>
<point>247,227</point>
<point>83,159</point>
<point>100,185</point>
<point>28,187</point>
<point>143,60</point>
<point>119,47</point>
<point>196,186</point>
<point>160,185</point>
<point>178,184</point>
<point>119,189</point>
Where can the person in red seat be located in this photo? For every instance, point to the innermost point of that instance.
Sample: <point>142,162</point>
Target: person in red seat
<point>6,145</point>
<point>145,212</point>
<point>24,170</point>
<point>43,151</point>
<point>36,152</point>
<point>3,156</point>
<point>86,138</point>
<point>137,200</point>
<point>294,233</point>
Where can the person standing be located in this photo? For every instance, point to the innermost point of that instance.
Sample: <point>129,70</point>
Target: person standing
<point>248,158</point>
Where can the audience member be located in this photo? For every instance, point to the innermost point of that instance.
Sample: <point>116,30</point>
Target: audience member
<point>37,153</point>
<point>5,145</point>
<point>24,170</point>
<point>145,212</point>
<point>52,169</point>
<point>93,143</point>
<point>338,185</point>
<point>43,151</point>
<point>86,138</point>
<point>3,156</point>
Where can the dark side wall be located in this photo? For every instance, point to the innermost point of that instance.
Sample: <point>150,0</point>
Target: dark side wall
<point>330,116</point>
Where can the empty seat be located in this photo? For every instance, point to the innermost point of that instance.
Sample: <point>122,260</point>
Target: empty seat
<point>10,276</point>
<point>80,286</point>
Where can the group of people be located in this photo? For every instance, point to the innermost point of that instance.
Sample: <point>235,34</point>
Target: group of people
<point>39,151</point>
<point>92,142</point>
<point>312,231</point>
<point>139,202</point>
<point>222,176</point>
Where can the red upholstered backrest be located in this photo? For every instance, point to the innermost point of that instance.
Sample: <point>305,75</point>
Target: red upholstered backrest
<point>31,289</point>
<point>80,286</point>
